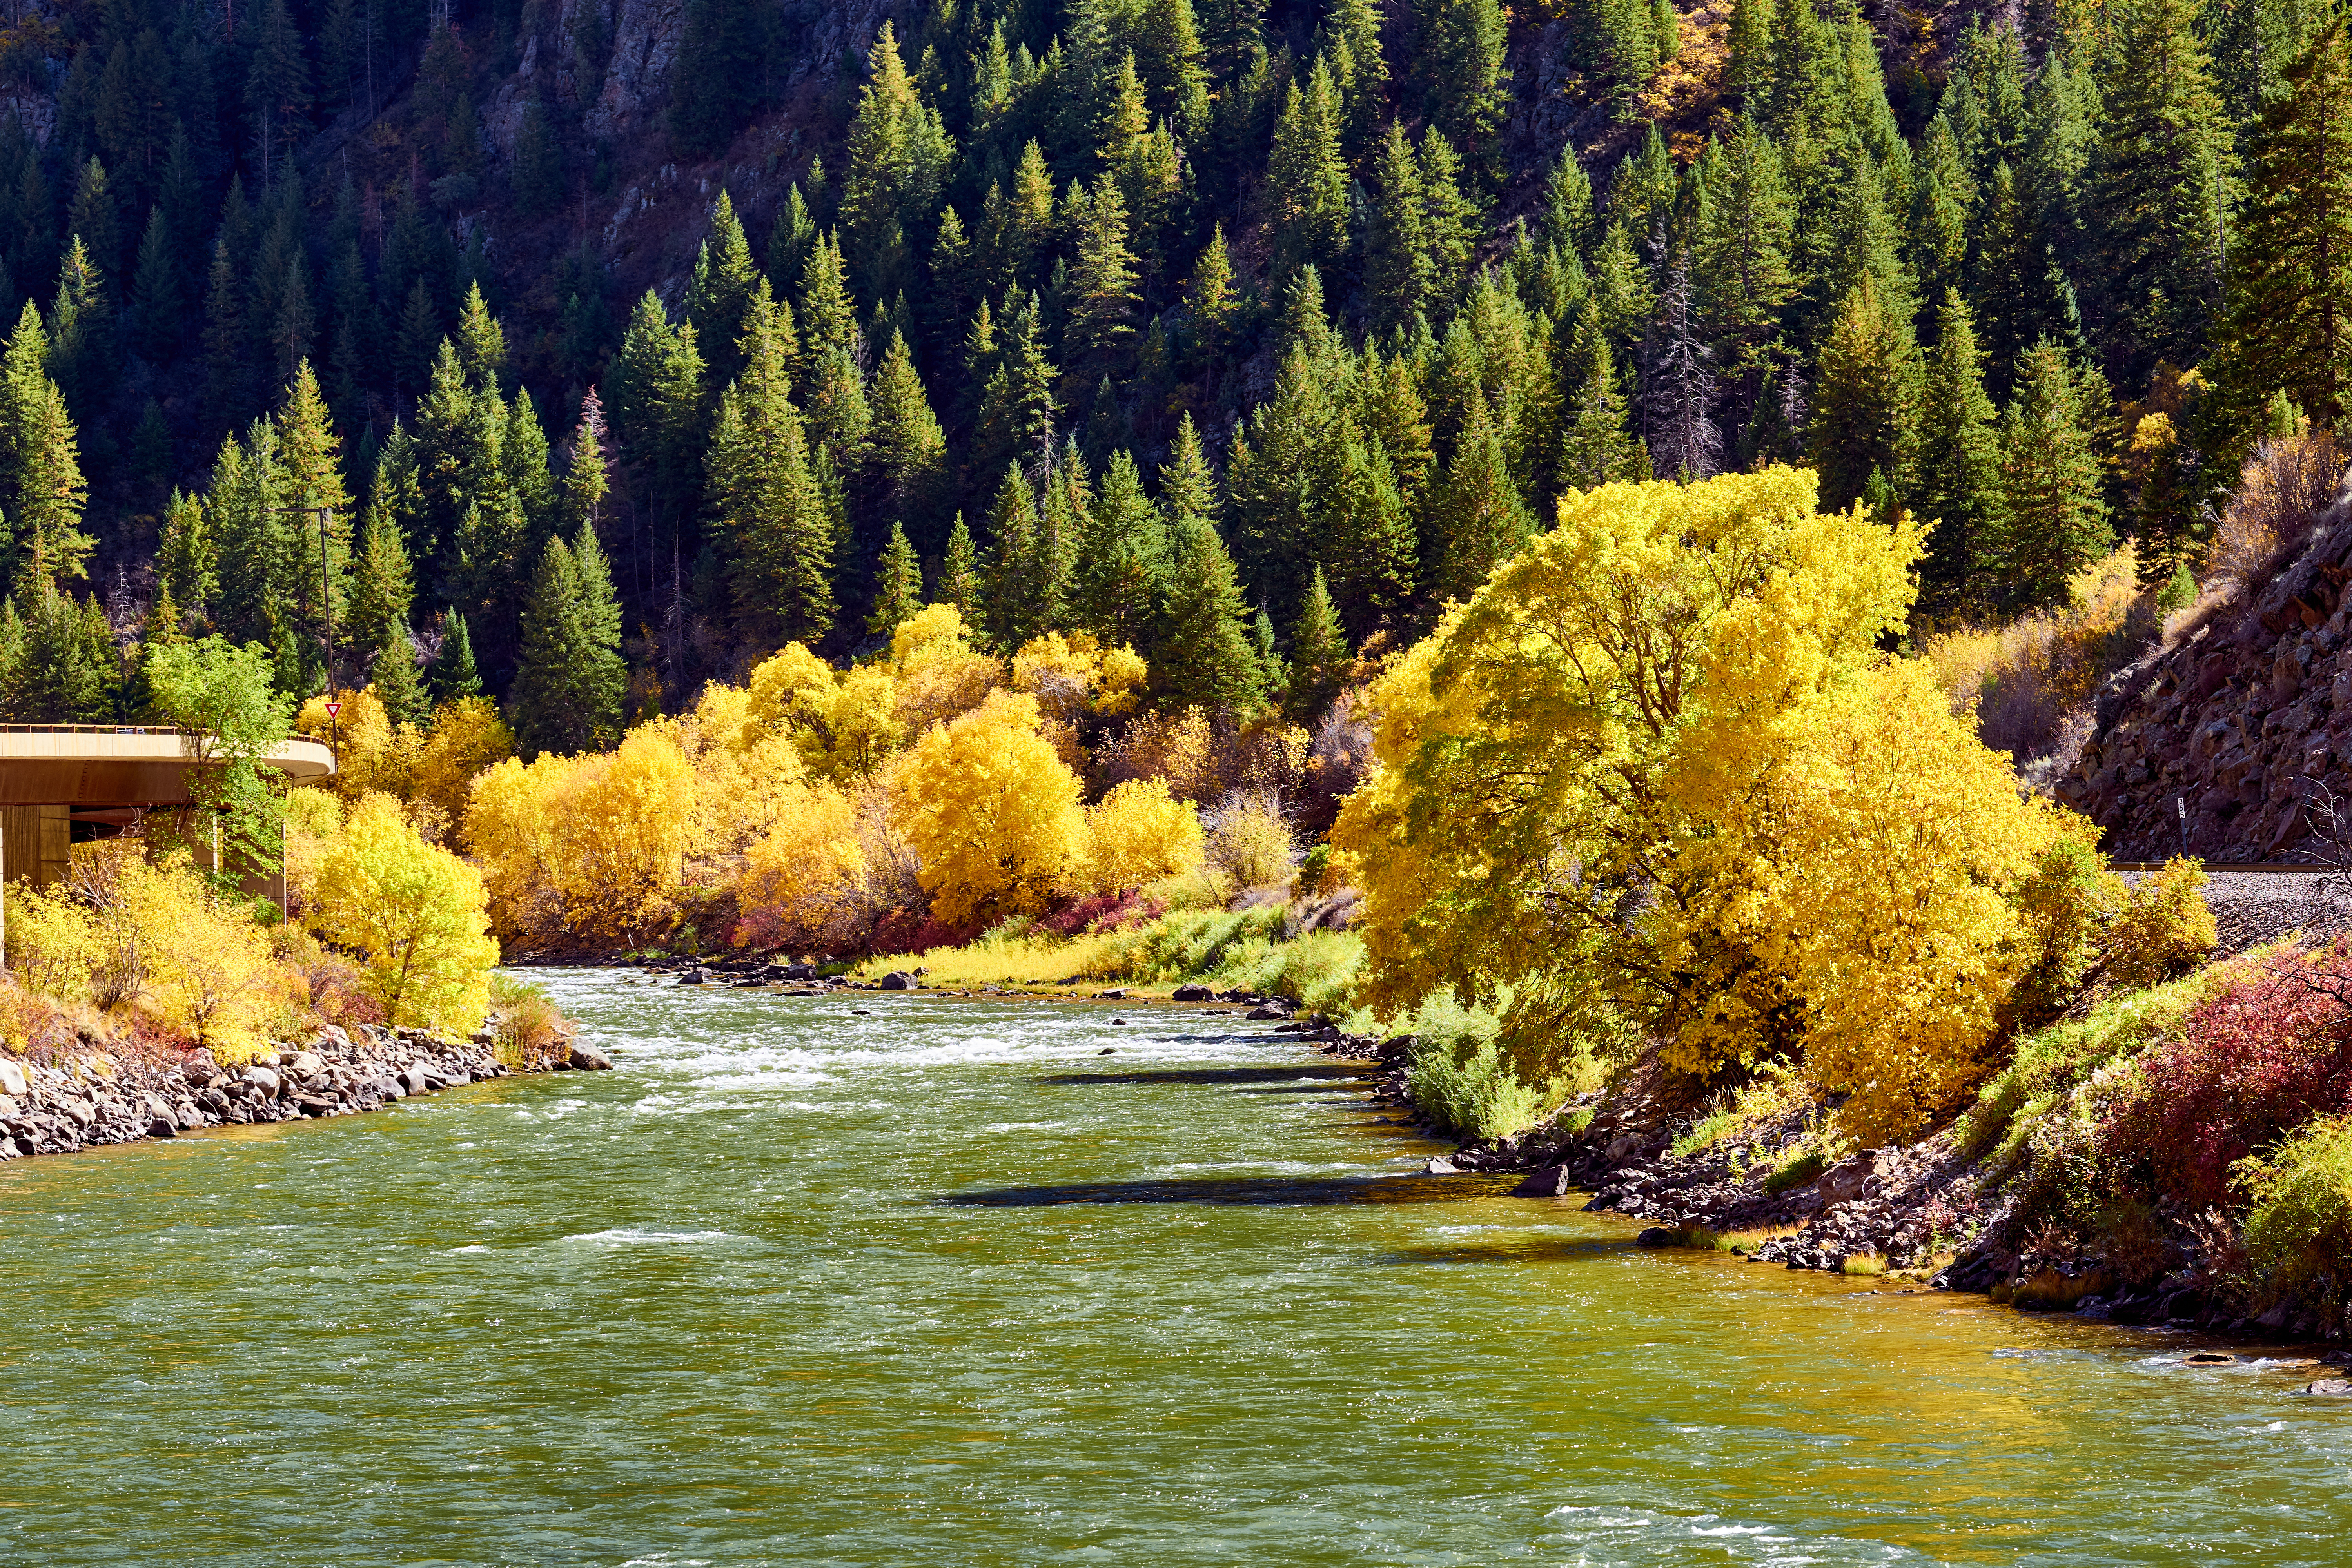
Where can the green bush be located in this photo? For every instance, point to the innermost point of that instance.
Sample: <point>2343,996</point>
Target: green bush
<point>2065,908</point>
<point>2298,1232</point>
<point>2050,1063</point>
<point>1462,1078</point>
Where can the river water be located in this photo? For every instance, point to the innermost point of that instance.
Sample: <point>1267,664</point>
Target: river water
<point>944,1286</point>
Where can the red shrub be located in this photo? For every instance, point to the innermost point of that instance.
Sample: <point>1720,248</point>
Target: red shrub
<point>912,930</point>
<point>2272,1050</point>
<point>1102,911</point>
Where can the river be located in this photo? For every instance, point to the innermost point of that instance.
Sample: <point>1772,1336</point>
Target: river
<point>943,1286</point>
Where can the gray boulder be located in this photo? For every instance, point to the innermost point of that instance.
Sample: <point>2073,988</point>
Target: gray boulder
<point>1551,1182</point>
<point>582,1059</point>
<point>897,980</point>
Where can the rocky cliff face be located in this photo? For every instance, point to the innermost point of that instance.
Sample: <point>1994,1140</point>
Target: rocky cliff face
<point>2235,731</point>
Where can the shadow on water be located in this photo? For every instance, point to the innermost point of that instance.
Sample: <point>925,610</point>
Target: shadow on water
<point>1533,1249</point>
<point>1221,1191</point>
<point>1289,1075</point>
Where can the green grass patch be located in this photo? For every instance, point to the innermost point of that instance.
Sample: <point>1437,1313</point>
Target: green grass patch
<point>1231,949</point>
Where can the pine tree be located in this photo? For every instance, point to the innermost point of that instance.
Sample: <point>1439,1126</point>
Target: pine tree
<point>1122,561</point>
<point>452,675</point>
<point>828,322</point>
<point>1742,252</point>
<point>1015,423</point>
<point>1020,604</point>
<point>588,476</point>
<point>1398,268</point>
<point>1217,307</point>
<point>899,154</point>
<point>2158,180</point>
<point>1187,487</point>
<point>1203,656</point>
<point>792,240</point>
<point>67,670</point>
<point>1568,216</point>
<point>897,585</point>
<point>312,558</point>
<point>1747,77</point>
<point>2289,320</point>
<point>1482,522</point>
<point>186,566</point>
<point>1595,451</point>
<point>1460,67</point>
<point>2055,521</point>
<point>569,680</point>
<point>1103,298</point>
<point>765,500</point>
<point>720,291</point>
<point>1319,657</point>
<point>1350,39</point>
<point>909,447</point>
<point>1866,397</point>
<point>1959,464</point>
<point>1307,176</point>
<point>380,592</point>
<point>155,303</point>
<point>960,581</point>
<point>42,490</point>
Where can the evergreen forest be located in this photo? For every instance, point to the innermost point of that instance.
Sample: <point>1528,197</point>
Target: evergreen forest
<point>1243,334</point>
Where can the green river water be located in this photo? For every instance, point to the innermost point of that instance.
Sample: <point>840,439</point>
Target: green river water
<point>943,1286</point>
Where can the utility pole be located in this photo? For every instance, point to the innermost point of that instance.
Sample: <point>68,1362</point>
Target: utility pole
<point>326,608</point>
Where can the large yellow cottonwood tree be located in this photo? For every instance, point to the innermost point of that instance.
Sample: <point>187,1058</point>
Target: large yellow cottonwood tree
<point>1657,772</point>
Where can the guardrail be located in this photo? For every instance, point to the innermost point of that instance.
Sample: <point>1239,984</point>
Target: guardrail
<point>2271,868</point>
<point>94,730</point>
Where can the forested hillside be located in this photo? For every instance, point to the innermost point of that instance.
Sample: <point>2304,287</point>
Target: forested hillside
<point>623,344</point>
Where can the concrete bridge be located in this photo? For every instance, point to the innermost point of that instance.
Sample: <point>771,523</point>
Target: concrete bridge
<point>62,784</point>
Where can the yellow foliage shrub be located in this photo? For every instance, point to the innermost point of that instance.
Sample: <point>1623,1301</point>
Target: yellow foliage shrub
<point>801,882</point>
<point>2164,930</point>
<point>844,724</point>
<point>314,820</point>
<point>371,752</point>
<point>1872,879</point>
<point>415,914</point>
<point>1249,842</point>
<point>1138,833</point>
<point>602,839</point>
<point>1179,749</point>
<point>2021,680</point>
<point>210,970</point>
<point>1075,675</point>
<point>429,769</point>
<point>936,671</point>
<point>991,811</point>
<point>54,947</point>
<point>465,737</point>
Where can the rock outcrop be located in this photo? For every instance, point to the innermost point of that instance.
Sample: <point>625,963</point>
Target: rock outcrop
<point>2219,744</point>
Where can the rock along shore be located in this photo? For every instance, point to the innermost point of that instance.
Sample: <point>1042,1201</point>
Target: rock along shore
<point>101,1099</point>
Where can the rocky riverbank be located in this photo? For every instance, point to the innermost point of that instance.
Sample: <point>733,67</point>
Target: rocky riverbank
<point>78,1102</point>
<point>1925,1211</point>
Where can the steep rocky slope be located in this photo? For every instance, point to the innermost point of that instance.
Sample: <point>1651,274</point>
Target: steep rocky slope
<point>2230,742</point>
